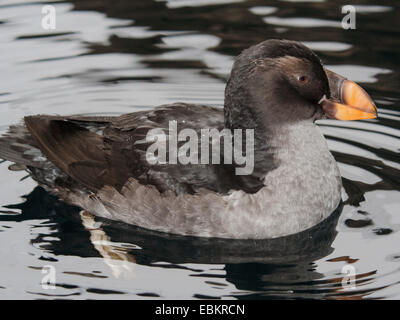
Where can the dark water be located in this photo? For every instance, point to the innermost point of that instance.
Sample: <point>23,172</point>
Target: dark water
<point>113,57</point>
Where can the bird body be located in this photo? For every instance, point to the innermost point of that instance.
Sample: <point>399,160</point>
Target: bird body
<point>277,89</point>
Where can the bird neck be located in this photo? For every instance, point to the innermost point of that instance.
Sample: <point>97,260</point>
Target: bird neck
<point>298,145</point>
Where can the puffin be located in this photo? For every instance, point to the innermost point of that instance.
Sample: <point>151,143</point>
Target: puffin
<point>276,91</point>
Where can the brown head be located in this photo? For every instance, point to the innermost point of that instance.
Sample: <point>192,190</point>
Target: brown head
<point>281,81</point>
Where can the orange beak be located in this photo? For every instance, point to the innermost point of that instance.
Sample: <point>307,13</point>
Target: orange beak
<point>354,103</point>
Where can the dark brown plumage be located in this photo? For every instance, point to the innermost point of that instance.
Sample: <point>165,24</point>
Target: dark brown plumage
<point>99,151</point>
<point>277,88</point>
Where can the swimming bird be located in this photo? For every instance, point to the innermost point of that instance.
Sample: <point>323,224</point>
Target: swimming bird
<point>277,89</point>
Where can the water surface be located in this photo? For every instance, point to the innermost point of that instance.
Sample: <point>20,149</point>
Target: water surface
<point>112,57</point>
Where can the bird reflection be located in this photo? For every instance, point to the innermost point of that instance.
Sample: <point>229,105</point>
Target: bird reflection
<point>262,267</point>
<point>119,259</point>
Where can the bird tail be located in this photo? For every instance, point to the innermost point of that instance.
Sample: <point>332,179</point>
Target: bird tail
<point>18,146</point>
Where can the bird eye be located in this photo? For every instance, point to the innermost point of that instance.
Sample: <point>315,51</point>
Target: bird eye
<point>302,79</point>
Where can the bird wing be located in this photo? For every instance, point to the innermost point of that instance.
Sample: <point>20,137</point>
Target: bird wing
<point>100,151</point>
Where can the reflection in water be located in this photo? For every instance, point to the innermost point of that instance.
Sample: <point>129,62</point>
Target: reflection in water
<point>114,57</point>
<point>117,258</point>
<point>276,268</point>
<point>122,246</point>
